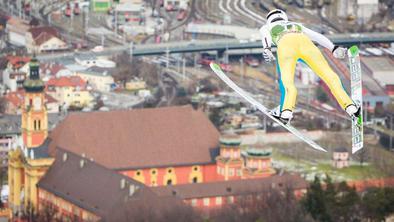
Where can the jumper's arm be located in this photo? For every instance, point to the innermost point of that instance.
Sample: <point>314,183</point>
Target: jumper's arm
<point>319,38</point>
<point>266,39</point>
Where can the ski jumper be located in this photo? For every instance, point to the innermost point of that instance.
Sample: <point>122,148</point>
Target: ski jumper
<point>294,42</point>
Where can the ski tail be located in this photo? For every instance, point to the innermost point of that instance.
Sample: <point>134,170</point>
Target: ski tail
<point>356,94</point>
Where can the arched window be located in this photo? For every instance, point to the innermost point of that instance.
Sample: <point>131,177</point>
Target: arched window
<point>169,182</point>
<point>195,180</point>
<point>35,124</point>
<point>39,124</point>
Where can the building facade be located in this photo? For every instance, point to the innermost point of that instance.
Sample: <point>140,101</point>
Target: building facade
<point>340,158</point>
<point>156,147</point>
<point>15,73</point>
<point>69,91</point>
<point>44,39</point>
<point>27,163</point>
<point>100,81</point>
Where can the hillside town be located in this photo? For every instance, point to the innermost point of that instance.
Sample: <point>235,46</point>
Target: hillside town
<point>109,111</point>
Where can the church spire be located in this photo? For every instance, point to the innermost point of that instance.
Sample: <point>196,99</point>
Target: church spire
<point>34,83</point>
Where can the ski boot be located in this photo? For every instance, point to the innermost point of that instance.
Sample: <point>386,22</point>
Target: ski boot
<point>283,116</point>
<point>354,112</point>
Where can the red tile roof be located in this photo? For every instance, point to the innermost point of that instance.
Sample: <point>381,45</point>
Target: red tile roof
<point>43,34</point>
<point>98,189</point>
<point>18,61</point>
<point>17,97</point>
<point>67,81</point>
<point>51,68</point>
<point>141,138</point>
<point>362,185</point>
<point>233,187</point>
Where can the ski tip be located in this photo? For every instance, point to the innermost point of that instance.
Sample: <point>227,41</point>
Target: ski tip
<point>353,50</point>
<point>214,66</point>
<point>355,149</point>
<point>323,150</point>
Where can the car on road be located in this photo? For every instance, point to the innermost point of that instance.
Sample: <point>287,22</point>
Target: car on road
<point>226,67</point>
<point>251,61</point>
<point>205,61</point>
<point>98,48</point>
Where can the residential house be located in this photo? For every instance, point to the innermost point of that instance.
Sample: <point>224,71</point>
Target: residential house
<point>129,13</point>
<point>16,31</point>
<point>135,84</point>
<point>69,91</point>
<point>100,80</point>
<point>15,73</point>
<point>340,158</point>
<point>44,39</point>
<point>94,61</point>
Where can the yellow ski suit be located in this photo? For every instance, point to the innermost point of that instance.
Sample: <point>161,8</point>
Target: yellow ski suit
<point>294,42</point>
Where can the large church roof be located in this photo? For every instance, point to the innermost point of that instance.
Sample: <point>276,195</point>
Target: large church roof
<point>99,190</point>
<point>141,138</point>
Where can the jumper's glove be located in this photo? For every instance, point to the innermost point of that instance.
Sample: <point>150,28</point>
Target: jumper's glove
<point>339,52</point>
<point>268,56</point>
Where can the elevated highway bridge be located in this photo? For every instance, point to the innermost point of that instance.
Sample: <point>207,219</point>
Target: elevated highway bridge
<point>220,45</point>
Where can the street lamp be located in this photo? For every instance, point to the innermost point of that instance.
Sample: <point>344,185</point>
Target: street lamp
<point>391,130</point>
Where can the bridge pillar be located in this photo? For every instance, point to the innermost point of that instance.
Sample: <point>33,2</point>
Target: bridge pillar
<point>220,53</point>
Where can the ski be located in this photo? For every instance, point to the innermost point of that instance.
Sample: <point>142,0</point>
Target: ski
<point>357,97</point>
<point>219,72</point>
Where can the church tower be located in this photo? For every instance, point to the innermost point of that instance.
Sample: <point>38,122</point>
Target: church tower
<point>257,162</point>
<point>28,163</point>
<point>229,162</point>
<point>34,113</point>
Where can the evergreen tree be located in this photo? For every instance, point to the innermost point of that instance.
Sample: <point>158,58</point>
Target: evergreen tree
<point>378,203</point>
<point>314,202</point>
<point>347,206</point>
<point>339,203</point>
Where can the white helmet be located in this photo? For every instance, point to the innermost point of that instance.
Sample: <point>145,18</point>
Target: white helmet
<point>276,15</point>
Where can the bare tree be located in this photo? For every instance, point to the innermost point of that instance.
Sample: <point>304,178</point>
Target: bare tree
<point>362,156</point>
<point>3,105</point>
<point>174,211</point>
<point>128,69</point>
<point>274,205</point>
